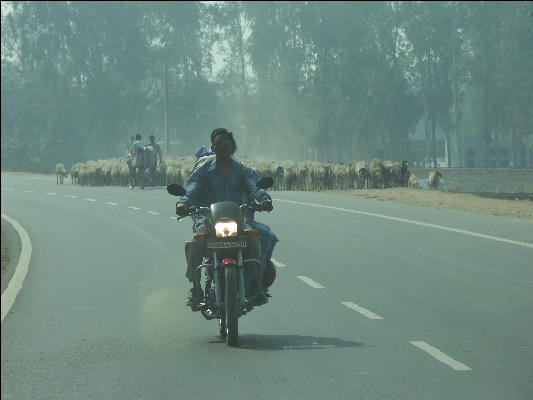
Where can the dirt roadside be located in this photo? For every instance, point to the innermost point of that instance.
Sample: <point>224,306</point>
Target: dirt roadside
<point>520,208</point>
<point>11,248</point>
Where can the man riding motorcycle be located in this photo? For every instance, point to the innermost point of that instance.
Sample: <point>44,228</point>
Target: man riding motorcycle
<point>221,179</point>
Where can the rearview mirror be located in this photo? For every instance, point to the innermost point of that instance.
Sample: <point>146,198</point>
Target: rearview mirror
<point>176,190</point>
<point>265,183</point>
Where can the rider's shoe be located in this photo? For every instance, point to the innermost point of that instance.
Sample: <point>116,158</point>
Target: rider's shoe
<point>259,298</point>
<point>194,298</point>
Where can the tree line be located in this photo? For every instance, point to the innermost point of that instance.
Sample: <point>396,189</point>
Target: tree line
<point>320,81</point>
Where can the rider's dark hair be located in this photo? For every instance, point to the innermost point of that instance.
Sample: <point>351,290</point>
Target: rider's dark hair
<point>137,137</point>
<point>223,131</point>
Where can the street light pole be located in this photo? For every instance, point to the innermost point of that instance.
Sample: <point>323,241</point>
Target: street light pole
<point>166,110</point>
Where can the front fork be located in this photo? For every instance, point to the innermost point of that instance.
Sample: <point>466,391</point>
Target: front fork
<point>219,276</point>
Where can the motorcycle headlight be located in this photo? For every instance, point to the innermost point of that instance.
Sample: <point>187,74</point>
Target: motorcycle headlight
<point>226,229</point>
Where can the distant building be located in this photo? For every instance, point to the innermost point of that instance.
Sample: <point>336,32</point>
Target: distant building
<point>500,155</point>
<point>417,150</point>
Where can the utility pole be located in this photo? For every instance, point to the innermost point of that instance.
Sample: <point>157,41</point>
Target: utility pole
<point>458,158</point>
<point>166,109</point>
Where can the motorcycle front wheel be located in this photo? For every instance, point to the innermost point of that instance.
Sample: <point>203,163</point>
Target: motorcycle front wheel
<point>231,314</point>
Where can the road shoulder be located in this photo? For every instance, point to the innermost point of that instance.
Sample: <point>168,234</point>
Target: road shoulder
<point>520,208</point>
<point>11,248</point>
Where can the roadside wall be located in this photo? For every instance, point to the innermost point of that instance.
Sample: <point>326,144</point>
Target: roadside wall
<point>481,180</point>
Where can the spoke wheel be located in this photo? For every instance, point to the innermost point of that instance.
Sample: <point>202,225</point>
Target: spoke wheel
<point>231,314</point>
<point>222,326</point>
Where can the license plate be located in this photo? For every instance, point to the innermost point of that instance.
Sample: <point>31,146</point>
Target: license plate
<point>225,245</point>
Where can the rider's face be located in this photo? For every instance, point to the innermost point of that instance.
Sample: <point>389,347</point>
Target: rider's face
<point>222,146</point>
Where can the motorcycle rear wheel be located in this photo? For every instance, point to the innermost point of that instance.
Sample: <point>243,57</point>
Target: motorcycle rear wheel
<point>231,314</point>
<point>222,326</point>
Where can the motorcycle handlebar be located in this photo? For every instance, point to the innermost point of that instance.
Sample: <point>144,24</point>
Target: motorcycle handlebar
<point>192,210</point>
<point>251,206</point>
<point>255,207</point>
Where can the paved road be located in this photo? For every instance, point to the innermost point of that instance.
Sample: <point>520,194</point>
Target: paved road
<point>375,300</point>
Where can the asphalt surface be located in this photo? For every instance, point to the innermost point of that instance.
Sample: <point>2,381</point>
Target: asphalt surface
<point>370,303</point>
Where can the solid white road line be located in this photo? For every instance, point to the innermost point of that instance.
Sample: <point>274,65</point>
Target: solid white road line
<point>310,282</point>
<point>134,208</point>
<point>152,212</point>
<point>361,310</point>
<point>90,199</point>
<point>408,221</point>
<point>15,284</point>
<point>278,264</point>
<point>111,203</point>
<point>440,356</point>
<point>71,196</point>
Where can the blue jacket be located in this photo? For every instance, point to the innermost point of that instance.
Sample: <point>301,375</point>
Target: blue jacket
<point>208,184</point>
<point>135,146</point>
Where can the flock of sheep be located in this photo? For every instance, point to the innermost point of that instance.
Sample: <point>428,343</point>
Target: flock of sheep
<point>288,175</point>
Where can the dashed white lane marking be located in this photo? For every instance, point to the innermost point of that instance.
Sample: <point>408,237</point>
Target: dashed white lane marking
<point>90,199</point>
<point>71,196</point>
<point>310,282</point>
<point>134,208</point>
<point>10,189</point>
<point>152,212</point>
<point>278,264</point>
<point>440,356</point>
<point>408,221</point>
<point>111,203</point>
<point>29,191</point>
<point>173,218</point>
<point>361,310</point>
<point>51,194</point>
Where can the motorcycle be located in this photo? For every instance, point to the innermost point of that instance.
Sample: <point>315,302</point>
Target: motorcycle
<point>227,273</point>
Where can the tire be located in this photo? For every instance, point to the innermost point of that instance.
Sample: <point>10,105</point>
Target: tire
<point>231,306</point>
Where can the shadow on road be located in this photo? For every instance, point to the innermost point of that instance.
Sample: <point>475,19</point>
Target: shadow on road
<point>291,342</point>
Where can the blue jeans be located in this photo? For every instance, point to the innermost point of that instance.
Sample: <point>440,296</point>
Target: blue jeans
<point>268,241</point>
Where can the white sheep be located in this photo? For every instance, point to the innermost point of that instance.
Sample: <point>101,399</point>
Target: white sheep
<point>413,181</point>
<point>61,173</point>
<point>75,173</point>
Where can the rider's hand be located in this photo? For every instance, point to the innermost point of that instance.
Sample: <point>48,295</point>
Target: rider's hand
<point>182,209</point>
<point>266,205</point>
